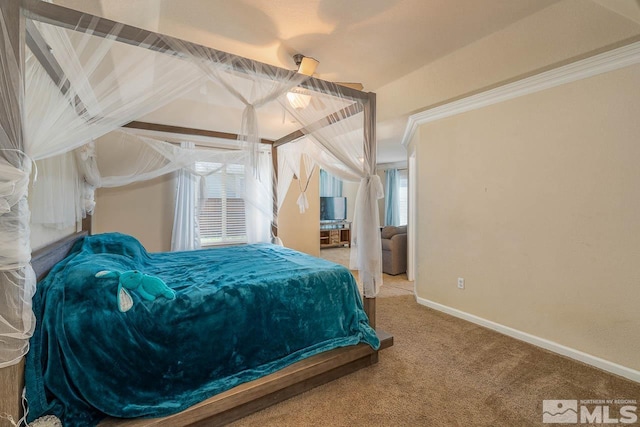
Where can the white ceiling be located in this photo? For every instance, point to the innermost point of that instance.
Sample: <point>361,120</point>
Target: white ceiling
<point>370,41</point>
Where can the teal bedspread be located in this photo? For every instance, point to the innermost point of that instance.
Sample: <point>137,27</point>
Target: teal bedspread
<point>240,313</point>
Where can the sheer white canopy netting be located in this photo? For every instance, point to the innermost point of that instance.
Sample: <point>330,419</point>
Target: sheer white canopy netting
<point>82,84</point>
<point>17,281</point>
<point>336,144</point>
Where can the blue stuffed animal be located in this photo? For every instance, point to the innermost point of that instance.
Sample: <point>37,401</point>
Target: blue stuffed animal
<point>148,287</point>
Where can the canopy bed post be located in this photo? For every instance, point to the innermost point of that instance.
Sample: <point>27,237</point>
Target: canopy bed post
<point>12,24</point>
<point>370,143</point>
<point>274,162</point>
<point>11,384</point>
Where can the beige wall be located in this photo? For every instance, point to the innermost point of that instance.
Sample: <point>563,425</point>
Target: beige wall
<point>301,231</point>
<point>535,203</point>
<point>143,210</point>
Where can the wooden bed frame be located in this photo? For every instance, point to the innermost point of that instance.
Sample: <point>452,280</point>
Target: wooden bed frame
<point>246,398</point>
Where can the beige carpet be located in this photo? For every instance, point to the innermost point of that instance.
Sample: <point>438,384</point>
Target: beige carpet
<point>393,285</point>
<point>443,371</point>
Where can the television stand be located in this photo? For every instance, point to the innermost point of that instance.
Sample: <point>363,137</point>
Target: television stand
<point>335,234</point>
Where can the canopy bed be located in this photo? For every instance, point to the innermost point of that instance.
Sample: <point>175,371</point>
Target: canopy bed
<point>71,78</point>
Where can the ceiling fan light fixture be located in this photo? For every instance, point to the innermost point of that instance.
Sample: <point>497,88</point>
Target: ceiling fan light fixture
<point>306,65</point>
<point>299,101</point>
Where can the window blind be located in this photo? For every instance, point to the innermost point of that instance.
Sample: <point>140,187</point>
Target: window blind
<point>222,210</point>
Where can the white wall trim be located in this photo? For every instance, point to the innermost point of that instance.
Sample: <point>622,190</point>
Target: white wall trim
<point>394,165</point>
<point>589,67</point>
<point>412,219</point>
<point>589,359</point>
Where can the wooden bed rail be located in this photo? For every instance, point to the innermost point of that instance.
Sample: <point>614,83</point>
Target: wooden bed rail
<point>370,309</point>
<point>263,392</point>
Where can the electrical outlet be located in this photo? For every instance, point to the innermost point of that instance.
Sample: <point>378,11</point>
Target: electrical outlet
<point>460,283</point>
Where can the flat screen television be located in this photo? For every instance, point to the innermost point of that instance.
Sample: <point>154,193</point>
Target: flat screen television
<point>333,208</point>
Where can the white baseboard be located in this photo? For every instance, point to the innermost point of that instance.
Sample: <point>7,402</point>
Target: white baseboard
<point>589,359</point>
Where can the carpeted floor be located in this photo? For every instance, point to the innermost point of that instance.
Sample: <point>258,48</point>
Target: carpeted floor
<point>443,371</point>
<point>393,285</point>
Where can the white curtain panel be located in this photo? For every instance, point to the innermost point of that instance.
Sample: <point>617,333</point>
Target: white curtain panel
<point>259,197</point>
<point>186,234</point>
<point>392,202</point>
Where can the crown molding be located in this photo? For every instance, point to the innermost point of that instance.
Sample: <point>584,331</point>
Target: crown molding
<point>392,165</point>
<point>582,69</point>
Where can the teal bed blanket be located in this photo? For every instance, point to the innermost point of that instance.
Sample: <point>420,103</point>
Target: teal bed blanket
<point>239,313</point>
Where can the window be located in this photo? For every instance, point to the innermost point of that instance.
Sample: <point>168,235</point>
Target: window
<point>222,213</point>
<point>403,196</point>
<point>330,186</point>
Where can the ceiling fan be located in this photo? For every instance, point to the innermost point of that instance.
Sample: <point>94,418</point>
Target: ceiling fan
<point>299,98</point>
<point>307,66</point>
